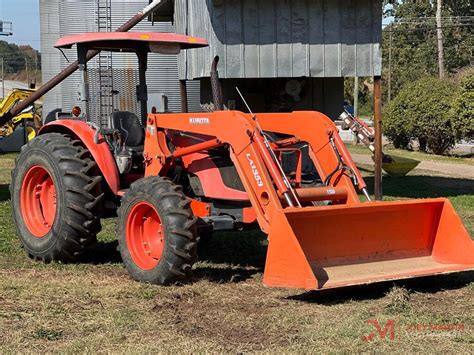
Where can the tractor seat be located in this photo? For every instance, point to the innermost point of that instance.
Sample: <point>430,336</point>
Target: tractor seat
<point>128,124</point>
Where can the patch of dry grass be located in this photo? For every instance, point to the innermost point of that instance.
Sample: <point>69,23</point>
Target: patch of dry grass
<point>95,307</point>
<point>102,310</point>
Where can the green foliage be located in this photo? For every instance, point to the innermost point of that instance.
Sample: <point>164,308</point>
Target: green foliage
<point>365,96</point>
<point>14,57</point>
<point>414,45</point>
<point>422,111</point>
<point>460,7</point>
<point>462,112</point>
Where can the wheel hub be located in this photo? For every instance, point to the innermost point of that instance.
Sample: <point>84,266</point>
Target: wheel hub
<point>38,201</point>
<point>144,235</point>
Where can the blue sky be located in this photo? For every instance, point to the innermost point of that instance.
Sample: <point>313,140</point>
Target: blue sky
<point>25,17</point>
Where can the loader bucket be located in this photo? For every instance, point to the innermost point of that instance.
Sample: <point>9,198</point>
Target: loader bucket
<point>336,246</point>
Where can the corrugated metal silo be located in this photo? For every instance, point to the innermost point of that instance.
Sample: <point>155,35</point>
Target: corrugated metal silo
<point>64,17</point>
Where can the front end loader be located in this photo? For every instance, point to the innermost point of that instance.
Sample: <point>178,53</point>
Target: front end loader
<point>172,177</point>
<point>29,119</point>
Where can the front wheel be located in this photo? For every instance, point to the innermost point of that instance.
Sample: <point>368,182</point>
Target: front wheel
<point>156,231</point>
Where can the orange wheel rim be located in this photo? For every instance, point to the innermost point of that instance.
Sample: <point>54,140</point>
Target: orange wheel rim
<point>38,201</point>
<point>144,235</point>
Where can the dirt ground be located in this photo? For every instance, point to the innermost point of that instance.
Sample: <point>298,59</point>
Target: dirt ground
<point>93,306</point>
<point>433,167</point>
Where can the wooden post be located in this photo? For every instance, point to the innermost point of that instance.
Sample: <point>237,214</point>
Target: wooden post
<point>184,96</point>
<point>378,137</point>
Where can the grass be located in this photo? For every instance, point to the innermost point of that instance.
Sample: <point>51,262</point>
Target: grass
<point>94,307</point>
<point>361,149</point>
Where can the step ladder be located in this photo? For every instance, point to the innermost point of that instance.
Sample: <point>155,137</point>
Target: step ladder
<point>104,62</point>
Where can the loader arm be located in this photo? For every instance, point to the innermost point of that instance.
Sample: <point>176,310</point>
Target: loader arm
<point>15,96</point>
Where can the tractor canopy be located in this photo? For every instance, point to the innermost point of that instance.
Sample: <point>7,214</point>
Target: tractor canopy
<point>165,43</point>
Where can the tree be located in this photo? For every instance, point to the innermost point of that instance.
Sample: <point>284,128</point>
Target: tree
<point>423,111</point>
<point>462,114</point>
<point>460,7</point>
<point>14,56</point>
<point>414,45</point>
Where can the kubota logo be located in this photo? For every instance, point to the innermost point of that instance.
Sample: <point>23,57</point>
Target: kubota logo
<point>255,172</point>
<point>199,120</point>
<point>389,327</point>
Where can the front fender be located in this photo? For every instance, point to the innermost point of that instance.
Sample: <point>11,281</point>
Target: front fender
<point>100,152</point>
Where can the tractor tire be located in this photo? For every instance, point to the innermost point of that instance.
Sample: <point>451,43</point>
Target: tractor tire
<point>156,231</point>
<point>56,198</point>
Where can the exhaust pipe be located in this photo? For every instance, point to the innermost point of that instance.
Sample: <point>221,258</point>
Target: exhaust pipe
<point>216,85</point>
<point>138,17</point>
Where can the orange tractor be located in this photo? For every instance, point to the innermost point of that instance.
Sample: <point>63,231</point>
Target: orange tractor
<point>170,177</point>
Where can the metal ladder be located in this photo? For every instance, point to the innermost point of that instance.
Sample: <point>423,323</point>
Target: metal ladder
<point>104,61</point>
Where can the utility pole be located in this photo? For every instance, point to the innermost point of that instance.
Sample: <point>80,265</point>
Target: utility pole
<point>390,63</point>
<point>3,80</point>
<point>36,67</point>
<point>440,38</point>
<point>27,74</point>
<point>356,96</point>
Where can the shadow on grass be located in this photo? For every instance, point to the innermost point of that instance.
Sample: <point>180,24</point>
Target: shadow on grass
<point>225,257</point>
<point>102,253</point>
<point>423,186</point>
<point>4,192</point>
<point>427,284</point>
<point>231,256</point>
<point>223,275</point>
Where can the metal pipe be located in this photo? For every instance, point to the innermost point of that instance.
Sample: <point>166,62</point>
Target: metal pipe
<point>142,89</point>
<point>366,194</point>
<point>348,160</point>
<point>271,166</point>
<point>216,85</point>
<point>378,137</point>
<point>138,17</point>
<point>213,143</point>
<point>322,194</point>
<point>287,142</point>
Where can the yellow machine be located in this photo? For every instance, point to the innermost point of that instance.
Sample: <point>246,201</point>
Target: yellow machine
<point>30,119</point>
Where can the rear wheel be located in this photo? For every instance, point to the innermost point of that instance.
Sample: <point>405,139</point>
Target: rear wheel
<point>156,231</point>
<point>56,198</point>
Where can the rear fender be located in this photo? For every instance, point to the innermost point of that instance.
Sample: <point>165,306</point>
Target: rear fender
<point>100,152</point>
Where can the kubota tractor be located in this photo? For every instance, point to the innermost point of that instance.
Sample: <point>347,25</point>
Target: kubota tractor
<point>170,177</point>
